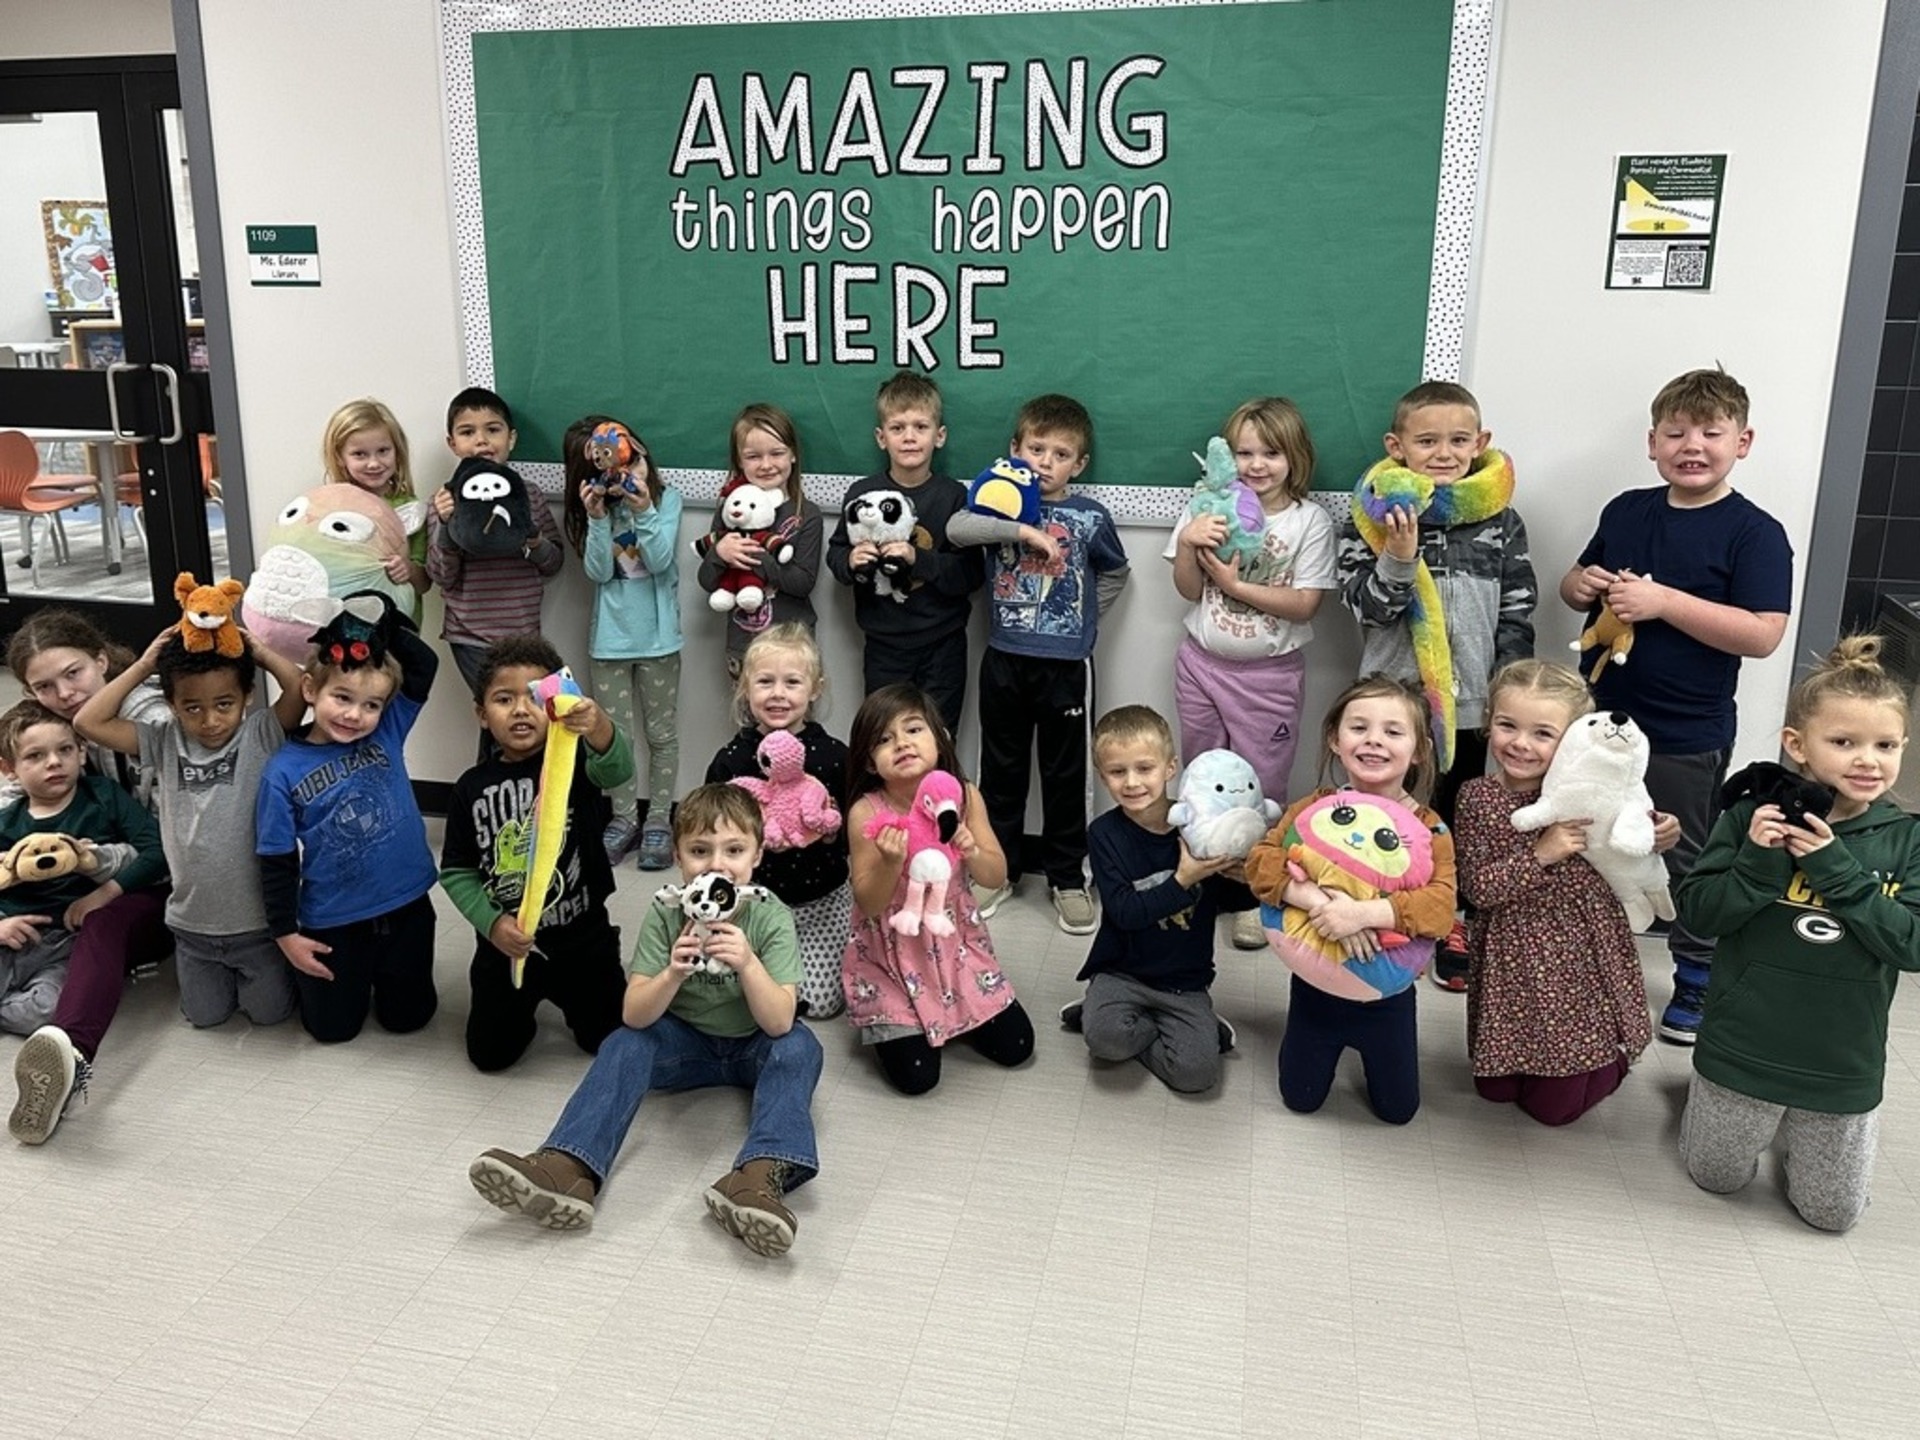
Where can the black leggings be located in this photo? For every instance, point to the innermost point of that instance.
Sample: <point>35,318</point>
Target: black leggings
<point>912,1066</point>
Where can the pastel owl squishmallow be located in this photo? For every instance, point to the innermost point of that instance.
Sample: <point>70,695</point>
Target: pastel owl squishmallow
<point>1365,847</point>
<point>492,513</point>
<point>1008,489</point>
<point>1221,809</point>
<point>331,541</point>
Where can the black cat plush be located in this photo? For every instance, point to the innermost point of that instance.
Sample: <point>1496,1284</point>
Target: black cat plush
<point>1771,784</point>
<point>492,511</point>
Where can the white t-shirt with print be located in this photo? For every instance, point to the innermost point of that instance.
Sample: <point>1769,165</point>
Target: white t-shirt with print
<point>1297,551</point>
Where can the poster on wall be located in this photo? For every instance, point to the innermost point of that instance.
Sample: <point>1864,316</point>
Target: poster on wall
<point>79,255</point>
<point>1666,210</point>
<point>1162,210</point>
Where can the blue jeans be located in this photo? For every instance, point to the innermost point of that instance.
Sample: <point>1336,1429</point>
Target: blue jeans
<point>670,1054</point>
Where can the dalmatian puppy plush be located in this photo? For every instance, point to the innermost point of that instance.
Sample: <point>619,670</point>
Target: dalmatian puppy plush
<point>706,902</point>
<point>884,516</point>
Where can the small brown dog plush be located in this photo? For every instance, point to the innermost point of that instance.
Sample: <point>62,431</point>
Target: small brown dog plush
<point>47,856</point>
<point>206,615</point>
<point>1613,635</point>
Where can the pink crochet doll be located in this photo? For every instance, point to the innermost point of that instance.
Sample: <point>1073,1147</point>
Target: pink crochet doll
<point>797,808</point>
<point>939,806</point>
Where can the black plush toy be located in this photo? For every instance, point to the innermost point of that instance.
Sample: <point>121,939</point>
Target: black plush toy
<point>492,513</point>
<point>355,629</point>
<point>1771,784</point>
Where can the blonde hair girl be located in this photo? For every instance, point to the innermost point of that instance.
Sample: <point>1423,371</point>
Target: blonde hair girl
<point>1556,1006</point>
<point>1816,920</point>
<point>364,446</point>
<point>780,684</point>
<point>763,448</point>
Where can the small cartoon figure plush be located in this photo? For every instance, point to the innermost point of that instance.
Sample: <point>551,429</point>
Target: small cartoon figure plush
<point>47,856</point>
<point>706,902</point>
<point>613,453</point>
<point>1599,775</point>
<point>1221,809</point>
<point>797,808</point>
<point>1611,634</point>
<point>1363,846</point>
<point>1008,489</point>
<point>356,629</point>
<point>206,615</point>
<point>1221,492</point>
<point>492,511</point>
<point>1771,784</point>
<point>939,803</point>
<point>749,510</point>
<point>884,516</point>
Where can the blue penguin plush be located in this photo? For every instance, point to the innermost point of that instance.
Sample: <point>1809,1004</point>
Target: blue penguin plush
<point>1008,489</point>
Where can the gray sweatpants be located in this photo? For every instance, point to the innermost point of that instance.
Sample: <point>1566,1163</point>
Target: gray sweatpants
<point>1175,1034</point>
<point>222,973</point>
<point>30,981</point>
<point>1829,1159</point>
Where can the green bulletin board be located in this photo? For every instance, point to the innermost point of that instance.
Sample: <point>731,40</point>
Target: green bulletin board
<point>1161,211</point>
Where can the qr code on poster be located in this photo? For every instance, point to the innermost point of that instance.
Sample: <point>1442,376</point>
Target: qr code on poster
<point>1686,265</point>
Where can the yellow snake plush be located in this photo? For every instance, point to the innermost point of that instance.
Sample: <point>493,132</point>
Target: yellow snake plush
<point>557,693</point>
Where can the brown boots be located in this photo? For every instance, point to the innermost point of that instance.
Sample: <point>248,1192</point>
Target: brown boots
<point>549,1187</point>
<point>748,1202</point>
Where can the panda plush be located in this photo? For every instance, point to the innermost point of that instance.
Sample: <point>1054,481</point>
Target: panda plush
<point>492,510</point>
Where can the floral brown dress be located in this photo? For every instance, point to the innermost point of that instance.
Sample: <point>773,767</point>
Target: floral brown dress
<point>1555,987</point>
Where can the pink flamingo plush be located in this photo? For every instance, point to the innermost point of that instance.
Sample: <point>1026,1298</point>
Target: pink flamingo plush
<point>939,805</point>
<point>797,808</point>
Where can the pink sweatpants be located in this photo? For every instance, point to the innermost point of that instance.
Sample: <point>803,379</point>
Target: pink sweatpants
<point>1251,707</point>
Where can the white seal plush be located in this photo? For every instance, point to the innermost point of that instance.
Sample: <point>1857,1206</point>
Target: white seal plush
<point>1599,774</point>
<point>1220,809</point>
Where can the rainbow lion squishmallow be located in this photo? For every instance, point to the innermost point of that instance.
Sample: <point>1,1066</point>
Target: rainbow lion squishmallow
<point>1363,846</point>
<point>333,540</point>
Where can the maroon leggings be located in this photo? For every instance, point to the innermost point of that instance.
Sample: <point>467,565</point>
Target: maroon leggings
<point>127,932</point>
<point>1553,1099</point>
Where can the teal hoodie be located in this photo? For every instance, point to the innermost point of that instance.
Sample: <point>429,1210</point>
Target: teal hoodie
<point>1809,955</point>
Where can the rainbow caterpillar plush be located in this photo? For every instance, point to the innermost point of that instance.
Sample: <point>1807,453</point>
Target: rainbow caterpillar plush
<point>1362,846</point>
<point>557,693</point>
<point>1384,488</point>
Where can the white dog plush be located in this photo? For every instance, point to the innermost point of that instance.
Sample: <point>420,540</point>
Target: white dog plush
<point>1599,774</point>
<point>706,902</point>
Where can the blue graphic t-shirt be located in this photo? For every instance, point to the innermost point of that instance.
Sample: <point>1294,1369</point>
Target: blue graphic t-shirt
<point>1051,609</point>
<point>350,811</point>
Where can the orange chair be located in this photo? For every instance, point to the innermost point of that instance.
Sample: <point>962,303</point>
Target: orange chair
<point>25,492</point>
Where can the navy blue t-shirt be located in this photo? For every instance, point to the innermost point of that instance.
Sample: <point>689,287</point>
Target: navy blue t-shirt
<point>1678,690</point>
<point>1152,928</point>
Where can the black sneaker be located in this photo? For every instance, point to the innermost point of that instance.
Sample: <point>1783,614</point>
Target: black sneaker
<point>1450,963</point>
<point>1070,1016</point>
<point>1680,1021</point>
<point>1227,1037</point>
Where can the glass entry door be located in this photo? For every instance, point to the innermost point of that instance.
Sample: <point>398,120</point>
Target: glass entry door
<point>115,488</point>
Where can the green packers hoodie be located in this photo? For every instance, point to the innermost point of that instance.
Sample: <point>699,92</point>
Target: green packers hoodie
<point>1809,955</point>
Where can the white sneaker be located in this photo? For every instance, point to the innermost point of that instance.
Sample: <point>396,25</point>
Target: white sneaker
<point>1248,933</point>
<point>991,900</point>
<point>49,1072</point>
<point>1075,909</point>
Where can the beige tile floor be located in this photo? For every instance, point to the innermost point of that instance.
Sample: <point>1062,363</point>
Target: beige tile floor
<point>244,1233</point>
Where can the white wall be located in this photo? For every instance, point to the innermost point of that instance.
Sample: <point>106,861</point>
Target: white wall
<point>1563,368</point>
<point>56,157</point>
<point>61,29</point>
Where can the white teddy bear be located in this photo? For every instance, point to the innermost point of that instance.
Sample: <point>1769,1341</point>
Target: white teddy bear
<point>1599,774</point>
<point>748,509</point>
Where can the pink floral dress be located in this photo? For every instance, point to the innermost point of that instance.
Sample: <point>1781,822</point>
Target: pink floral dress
<point>939,986</point>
